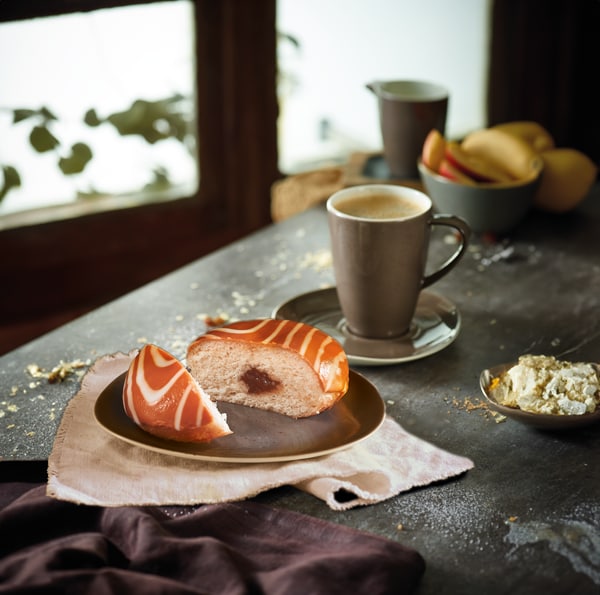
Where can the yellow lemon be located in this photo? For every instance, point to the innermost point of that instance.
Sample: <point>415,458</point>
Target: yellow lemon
<point>567,177</point>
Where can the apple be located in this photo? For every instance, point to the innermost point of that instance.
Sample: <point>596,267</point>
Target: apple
<point>447,170</point>
<point>473,166</point>
<point>433,151</point>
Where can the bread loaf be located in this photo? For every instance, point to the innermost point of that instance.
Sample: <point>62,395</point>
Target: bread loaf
<point>161,397</point>
<point>283,366</point>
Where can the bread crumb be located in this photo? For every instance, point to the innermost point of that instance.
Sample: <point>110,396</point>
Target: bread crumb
<point>213,321</point>
<point>59,373</point>
<point>319,260</point>
<point>470,406</point>
<point>480,406</point>
<point>217,320</point>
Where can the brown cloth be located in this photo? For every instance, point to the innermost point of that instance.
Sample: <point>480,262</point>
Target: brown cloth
<point>51,546</point>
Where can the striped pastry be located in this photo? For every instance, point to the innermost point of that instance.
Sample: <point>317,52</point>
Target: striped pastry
<point>161,397</point>
<point>279,365</point>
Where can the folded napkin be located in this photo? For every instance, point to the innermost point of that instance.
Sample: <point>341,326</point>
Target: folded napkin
<point>89,466</point>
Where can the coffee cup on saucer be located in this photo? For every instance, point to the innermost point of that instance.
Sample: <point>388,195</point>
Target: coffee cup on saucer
<point>379,243</point>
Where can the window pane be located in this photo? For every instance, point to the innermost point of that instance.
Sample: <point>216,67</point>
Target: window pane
<point>110,93</point>
<point>326,112</point>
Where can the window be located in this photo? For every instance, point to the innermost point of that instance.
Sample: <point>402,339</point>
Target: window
<point>97,109</point>
<point>60,265</point>
<point>326,110</point>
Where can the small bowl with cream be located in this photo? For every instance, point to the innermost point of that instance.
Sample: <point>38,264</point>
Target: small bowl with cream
<point>544,392</point>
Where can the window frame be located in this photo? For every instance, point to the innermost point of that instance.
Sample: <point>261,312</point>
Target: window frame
<point>85,261</point>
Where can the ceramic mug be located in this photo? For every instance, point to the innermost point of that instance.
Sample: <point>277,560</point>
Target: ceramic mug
<point>379,243</point>
<point>408,110</point>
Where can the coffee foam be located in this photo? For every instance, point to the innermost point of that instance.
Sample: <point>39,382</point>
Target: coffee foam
<point>378,206</point>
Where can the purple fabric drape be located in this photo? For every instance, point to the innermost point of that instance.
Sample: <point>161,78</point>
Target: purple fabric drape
<point>49,546</point>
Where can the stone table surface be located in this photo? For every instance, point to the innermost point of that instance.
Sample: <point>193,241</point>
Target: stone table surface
<point>525,519</point>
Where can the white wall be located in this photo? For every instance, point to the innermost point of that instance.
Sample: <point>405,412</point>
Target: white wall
<point>345,44</point>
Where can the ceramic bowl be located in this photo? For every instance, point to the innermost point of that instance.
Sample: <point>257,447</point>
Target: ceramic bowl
<point>494,208</point>
<point>543,421</point>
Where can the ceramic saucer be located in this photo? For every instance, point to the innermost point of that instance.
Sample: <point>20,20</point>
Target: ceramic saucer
<point>435,325</point>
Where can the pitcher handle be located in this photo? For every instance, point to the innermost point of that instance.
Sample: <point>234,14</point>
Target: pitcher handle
<point>464,230</point>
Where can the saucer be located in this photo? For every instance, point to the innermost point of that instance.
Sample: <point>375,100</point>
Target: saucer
<point>435,325</point>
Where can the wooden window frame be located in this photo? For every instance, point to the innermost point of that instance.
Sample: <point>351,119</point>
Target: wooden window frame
<point>77,264</point>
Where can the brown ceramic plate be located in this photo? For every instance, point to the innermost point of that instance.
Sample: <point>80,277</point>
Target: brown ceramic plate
<point>259,436</point>
<point>536,420</point>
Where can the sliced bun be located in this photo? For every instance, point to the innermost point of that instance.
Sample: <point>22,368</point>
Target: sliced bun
<point>278,365</point>
<point>161,397</point>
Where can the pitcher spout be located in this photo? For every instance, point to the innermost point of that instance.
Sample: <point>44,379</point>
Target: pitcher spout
<point>374,87</point>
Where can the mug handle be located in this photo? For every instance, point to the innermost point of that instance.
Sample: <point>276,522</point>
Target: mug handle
<point>464,230</point>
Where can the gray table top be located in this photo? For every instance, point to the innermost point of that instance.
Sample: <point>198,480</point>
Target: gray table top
<point>525,519</point>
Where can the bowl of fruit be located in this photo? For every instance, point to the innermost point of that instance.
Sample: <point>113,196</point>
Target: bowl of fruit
<point>493,177</point>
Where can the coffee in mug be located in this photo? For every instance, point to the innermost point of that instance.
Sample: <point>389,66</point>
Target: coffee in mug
<point>379,243</point>
<point>378,206</point>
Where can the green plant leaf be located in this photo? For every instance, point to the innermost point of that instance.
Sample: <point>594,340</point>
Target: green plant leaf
<point>12,179</point>
<point>167,118</point>
<point>75,163</point>
<point>42,139</point>
<point>152,120</point>
<point>22,114</point>
<point>11,176</point>
<point>47,114</point>
<point>91,118</point>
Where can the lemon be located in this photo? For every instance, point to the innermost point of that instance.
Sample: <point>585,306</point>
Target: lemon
<point>567,177</point>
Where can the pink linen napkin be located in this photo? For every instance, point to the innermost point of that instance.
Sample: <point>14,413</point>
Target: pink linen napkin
<point>89,466</point>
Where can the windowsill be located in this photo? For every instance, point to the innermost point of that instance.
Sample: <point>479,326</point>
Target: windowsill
<point>91,206</point>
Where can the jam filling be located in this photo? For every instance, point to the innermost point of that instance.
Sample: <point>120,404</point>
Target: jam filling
<point>258,381</point>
